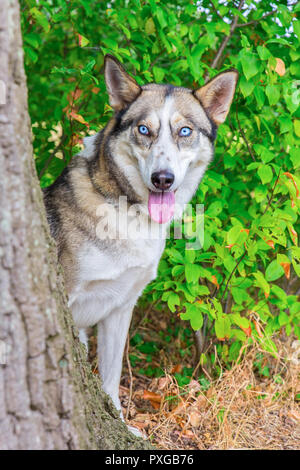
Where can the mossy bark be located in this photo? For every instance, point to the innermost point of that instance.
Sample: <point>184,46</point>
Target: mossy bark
<point>49,398</point>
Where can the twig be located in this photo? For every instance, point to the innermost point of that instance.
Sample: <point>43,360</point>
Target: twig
<point>227,302</point>
<point>216,11</point>
<point>242,25</point>
<point>130,376</point>
<point>232,273</point>
<point>243,255</point>
<point>272,192</point>
<point>152,305</point>
<point>201,332</point>
<point>243,134</point>
<point>226,38</point>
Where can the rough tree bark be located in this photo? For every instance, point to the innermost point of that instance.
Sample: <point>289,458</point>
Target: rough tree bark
<point>49,399</point>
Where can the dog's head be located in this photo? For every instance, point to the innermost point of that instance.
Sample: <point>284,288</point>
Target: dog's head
<point>167,134</point>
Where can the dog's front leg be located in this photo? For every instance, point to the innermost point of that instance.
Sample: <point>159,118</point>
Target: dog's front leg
<point>112,334</point>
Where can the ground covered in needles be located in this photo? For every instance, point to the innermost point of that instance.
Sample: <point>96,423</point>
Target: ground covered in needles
<point>255,404</point>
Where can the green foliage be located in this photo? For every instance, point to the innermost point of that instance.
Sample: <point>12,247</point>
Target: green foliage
<point>243,280</point>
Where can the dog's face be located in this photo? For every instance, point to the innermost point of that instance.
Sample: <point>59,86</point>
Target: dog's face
<point>168,131</point>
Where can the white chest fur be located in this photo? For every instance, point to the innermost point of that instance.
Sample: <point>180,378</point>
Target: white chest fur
<point>112,276</point>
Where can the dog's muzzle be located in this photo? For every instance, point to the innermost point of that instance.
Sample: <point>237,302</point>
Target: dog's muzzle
<point>162,180</point>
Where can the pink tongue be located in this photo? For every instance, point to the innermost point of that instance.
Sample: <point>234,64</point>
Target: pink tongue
<point>161,206</point>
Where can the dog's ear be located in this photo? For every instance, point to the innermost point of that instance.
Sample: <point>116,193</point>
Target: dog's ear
<point>216,96</point>
<point>122,88</point>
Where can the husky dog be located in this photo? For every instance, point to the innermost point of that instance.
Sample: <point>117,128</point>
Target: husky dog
<point>152,153</point>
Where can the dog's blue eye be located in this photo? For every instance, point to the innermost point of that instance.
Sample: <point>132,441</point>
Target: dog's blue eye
<point>185,132</point>
<point>143,130</point>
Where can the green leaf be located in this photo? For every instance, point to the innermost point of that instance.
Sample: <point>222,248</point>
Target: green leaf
<point>233,234</point>
<point>161,17</point>
<point>297,127</point>
<point>158,73</point>
<point>194,32</point>
<point>274,271</point>
<point>262,283</point>
<point>89,66</point>
<point>222,327</point>
<point>150,26</point>
<point>259,96</point>
<point>250,64</point>
<point>214,209</point>
<point>111,43</point>
<point>295,157</point>
<point>265,173</point>
<point>40,18</point>
<point>193,314</point>
<point>264,52</point>
<point>246,86</point>
<point>296,28</point>
<point>173,300</point>
<point>192,272</point>
<point>190,255</point>
<point>240,321</point>
<point>283,319</point>
<point>276,290</point>
<point>273,94</point>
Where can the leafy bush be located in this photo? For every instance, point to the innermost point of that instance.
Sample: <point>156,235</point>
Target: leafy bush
<point>244,280</point>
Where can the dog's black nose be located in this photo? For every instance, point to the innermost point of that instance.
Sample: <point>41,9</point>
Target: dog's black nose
<point>162,179</point>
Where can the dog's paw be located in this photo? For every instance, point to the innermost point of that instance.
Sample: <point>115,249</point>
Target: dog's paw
<point>137,432</point>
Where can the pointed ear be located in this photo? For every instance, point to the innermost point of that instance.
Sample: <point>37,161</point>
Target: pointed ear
<point>122,89</point>
<point>216,96</point>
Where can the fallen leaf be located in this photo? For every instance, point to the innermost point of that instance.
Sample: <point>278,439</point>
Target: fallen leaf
<point>210,392</point>
<point>179,408</point>
<point>187,433</point>
<point>176,369</point>
<point>155,405</point>
<point>195,419</point>
<point>194,385</point>
<point>155,397</point>
<point>202,402</point>
<point>163,383</point>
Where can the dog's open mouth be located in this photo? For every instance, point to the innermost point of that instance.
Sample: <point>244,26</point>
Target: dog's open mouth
<point>161,206</point>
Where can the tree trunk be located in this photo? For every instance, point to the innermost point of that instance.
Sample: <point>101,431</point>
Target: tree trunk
<point>49,398</point>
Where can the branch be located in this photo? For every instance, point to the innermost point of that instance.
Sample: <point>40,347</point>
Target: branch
<point>242,25</point>
<point>226,38</point>
<point>254,238</point>
<point>216,11</point>
<point>232,273</point>
<point>130,377</point>
<point>272,193</point>
<point>244,136</point>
